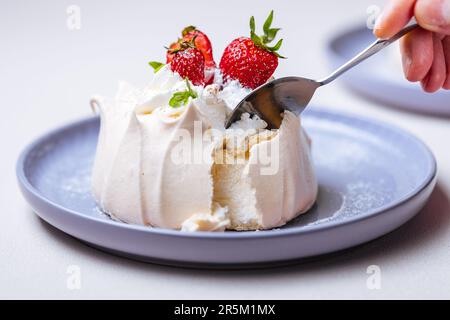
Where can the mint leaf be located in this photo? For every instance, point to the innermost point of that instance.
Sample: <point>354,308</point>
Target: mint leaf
<point>179,99</point>
<point>182,98</point>
<point>156,65</point>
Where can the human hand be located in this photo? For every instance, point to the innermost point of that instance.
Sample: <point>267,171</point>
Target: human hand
<point>426,50</point>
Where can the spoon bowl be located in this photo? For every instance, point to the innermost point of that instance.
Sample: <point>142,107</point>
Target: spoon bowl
<point>270,100</point>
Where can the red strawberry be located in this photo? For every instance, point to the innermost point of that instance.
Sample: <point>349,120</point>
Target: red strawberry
<point>250,60</point>
<point>189,63</point>
<point>174,47</point>
<point>200,41</point>
<point>252,66</point>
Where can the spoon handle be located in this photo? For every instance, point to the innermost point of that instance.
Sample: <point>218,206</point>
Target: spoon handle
<point>368,52</point>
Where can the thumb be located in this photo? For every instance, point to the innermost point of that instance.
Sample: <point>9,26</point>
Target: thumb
<point>433,15</point>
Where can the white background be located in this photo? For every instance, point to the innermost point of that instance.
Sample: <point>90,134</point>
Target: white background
<point>48,73</point>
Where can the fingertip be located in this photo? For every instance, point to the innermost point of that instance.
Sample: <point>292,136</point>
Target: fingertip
<point>446,84</point>
<point>379,29</point>
<point>396,14</point>
<point>379,32</point>
<point>425,84</point>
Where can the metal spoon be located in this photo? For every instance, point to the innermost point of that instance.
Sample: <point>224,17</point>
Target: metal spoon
<point>294,93</point>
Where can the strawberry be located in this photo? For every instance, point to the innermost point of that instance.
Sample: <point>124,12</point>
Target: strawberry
<point>201,42</point>
<point>250,60</point>
<point>189,63</point>
<point>173,48</point>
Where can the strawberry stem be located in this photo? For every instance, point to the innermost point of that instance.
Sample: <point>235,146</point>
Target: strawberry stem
<point>187,30</point>
<point>269,35</point>
<point>183,45</point>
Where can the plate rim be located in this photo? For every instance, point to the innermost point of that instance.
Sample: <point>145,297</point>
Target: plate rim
<point>26,185</point>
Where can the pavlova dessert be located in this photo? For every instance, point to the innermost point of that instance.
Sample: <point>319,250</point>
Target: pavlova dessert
<point>164,158</point>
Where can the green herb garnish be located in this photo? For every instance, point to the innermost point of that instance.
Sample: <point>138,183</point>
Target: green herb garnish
<point>156,65</point>
<point>181,98</point>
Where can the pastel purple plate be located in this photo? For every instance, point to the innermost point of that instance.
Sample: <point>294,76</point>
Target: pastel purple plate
<point>373,178</point>
<point>380,78</point>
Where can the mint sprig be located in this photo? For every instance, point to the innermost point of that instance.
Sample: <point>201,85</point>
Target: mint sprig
<point>156,65</point>
<point>269,35</point>
<point>182,98</point>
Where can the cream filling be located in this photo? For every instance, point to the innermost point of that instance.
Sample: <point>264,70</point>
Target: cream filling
<point>260,201</point>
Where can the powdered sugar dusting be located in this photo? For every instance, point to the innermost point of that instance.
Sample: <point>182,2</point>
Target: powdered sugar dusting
<point>78,184</point>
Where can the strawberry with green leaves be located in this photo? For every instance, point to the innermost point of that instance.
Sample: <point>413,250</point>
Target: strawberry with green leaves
<point>191,57</point>
<point>187,61</point>
<point>252,61</point>
<point>201,42</point>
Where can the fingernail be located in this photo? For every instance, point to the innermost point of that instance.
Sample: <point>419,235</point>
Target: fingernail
<point>377,25</point>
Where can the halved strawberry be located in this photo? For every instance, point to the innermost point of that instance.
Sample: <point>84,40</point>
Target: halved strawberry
<point>201,42</point>
<point>250,60</point>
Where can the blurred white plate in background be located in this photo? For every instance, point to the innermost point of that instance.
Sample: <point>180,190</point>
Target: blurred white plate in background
<point>380,78</point>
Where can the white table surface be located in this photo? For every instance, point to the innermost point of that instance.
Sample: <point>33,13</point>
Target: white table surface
<point>48,73</point>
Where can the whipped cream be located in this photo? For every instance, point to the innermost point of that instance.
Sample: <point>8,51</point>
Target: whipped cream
<point>139,176</point>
